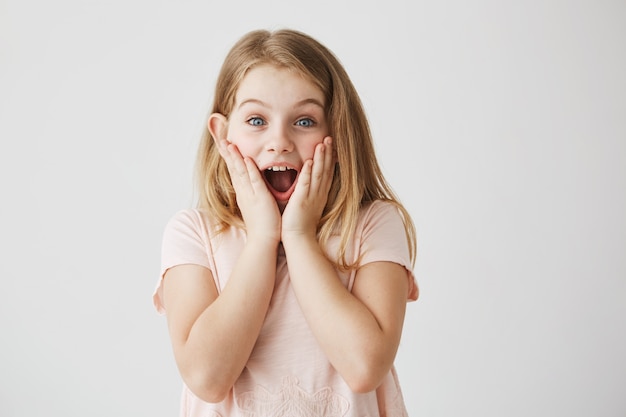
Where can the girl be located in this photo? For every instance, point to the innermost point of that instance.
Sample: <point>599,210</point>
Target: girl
<point>286,288</point>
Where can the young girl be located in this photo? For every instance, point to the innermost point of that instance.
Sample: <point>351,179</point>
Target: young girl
<point>286,289</point>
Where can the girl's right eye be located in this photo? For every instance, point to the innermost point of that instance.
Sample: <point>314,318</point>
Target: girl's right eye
<point>255,121</point>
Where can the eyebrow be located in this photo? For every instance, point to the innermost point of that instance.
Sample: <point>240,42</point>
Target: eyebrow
<point>298,104</point>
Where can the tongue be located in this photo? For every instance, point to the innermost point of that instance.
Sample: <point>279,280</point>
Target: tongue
<point>281,180</point>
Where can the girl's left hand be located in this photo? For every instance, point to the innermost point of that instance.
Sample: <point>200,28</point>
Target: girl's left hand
<point>304,209</point>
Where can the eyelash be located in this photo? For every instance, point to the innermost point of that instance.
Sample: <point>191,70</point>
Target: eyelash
<point>308,119</point>
<point>251,121</point>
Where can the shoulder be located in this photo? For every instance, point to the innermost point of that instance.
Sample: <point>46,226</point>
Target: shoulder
<point>190,218</point>
<point>380,206</point>
<point>379,210</point>
<point>188,226</point>
<point>198,228</point>
<point>382,227</point>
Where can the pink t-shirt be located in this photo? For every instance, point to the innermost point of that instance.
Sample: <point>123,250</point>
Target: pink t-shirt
<point>288,374</point>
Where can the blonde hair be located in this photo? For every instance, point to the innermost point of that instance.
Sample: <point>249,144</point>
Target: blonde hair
<point>358,179</point>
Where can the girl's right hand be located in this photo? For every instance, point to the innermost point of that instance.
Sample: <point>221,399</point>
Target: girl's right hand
<point>257,205</point>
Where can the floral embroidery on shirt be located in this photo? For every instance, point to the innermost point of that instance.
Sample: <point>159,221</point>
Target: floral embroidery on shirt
<point>292,401</point>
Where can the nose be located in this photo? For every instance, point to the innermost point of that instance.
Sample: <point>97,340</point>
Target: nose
<point>279,140</point>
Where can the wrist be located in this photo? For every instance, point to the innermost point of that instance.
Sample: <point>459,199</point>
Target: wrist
<point>299,238</point>
<point>263,239</point>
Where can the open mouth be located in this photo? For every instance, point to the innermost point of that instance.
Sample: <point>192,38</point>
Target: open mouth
<point>280,179</point>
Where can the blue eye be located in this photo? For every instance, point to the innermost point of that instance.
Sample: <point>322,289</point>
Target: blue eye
<point>306,122</point>
<point>255,121</point>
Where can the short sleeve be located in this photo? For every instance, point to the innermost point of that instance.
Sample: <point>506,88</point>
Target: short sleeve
<point>185,241</point>
<point>384,239</point>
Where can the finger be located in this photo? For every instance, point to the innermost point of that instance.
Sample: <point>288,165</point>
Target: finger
<point>331,159</point>
<point>236,167</point>
<point>235,160</point>
<point>222,147</point>
<point>254,176</point>
<point>304,180</point>
<point>334,150</point>
<point>232,157</point>
<point>323,169</point>
<point>319,162</point>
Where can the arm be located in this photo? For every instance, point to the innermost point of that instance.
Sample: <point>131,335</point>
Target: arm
<point>359,331</point>
<point>213,336</point>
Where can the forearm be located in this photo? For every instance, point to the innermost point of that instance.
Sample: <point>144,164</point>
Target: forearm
<point>354,341</point>
<point>223,336</point>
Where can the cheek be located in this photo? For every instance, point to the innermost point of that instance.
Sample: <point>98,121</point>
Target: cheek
<point>246,146</point>
<point>307,150</point>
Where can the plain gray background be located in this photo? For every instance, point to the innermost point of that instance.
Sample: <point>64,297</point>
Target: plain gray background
<point>501,125</point>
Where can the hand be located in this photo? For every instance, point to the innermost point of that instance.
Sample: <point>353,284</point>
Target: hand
<point>306,205</point>
<point>257,205</point>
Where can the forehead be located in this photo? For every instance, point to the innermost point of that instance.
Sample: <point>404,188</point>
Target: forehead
<point>271,82</point>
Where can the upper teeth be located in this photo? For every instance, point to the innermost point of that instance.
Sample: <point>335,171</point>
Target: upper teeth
<point>277,168</point>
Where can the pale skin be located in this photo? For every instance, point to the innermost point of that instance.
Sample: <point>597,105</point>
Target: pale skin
<point>278,118</point>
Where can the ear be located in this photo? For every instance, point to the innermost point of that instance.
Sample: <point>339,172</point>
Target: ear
<point>218,126</point>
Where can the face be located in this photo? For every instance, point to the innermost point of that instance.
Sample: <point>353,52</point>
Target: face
<point>277,120</point>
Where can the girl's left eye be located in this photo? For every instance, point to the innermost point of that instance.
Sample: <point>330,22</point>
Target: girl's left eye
<point>306,122</point>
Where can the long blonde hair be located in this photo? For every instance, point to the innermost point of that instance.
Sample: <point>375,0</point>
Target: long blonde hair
<point>358,179</point>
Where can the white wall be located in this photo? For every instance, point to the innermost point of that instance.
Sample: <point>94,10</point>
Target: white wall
<point>502,126</point>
